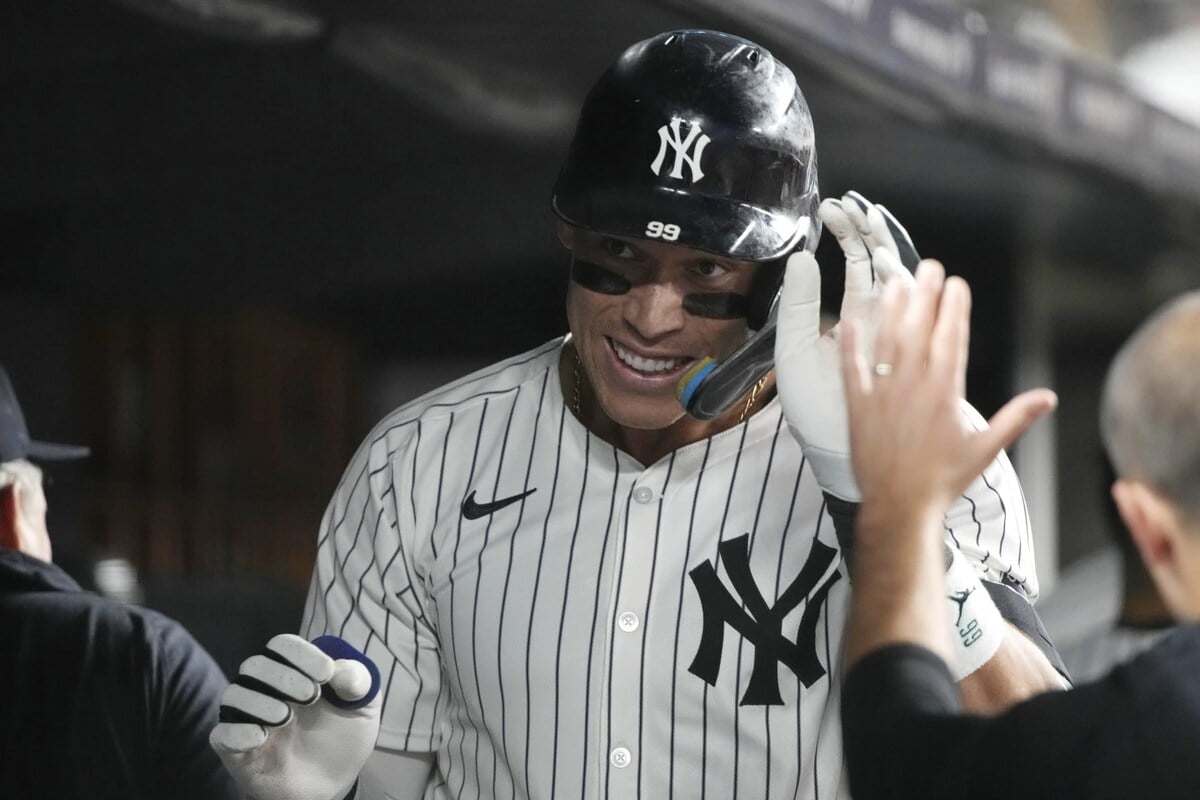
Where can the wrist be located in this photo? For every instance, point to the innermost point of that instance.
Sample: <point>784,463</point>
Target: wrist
<point>977,628</point>
<point>898,523</point>
<point>897,580</point>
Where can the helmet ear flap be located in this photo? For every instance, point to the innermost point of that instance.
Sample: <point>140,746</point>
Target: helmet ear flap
<point>767,284</point>
<point>769,280</point>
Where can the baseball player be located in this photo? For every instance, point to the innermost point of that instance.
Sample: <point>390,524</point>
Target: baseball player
<point>573,588</point>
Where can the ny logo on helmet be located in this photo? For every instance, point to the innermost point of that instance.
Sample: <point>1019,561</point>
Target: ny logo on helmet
<point>670,136</point>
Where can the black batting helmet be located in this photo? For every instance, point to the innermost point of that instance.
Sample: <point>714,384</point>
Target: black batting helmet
<point>696,138</point>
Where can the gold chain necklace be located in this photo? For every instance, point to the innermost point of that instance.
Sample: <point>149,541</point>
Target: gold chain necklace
<point>575,404</point>
<point>753,396</point>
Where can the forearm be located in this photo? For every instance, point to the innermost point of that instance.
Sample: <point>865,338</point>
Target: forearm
<point>1016,672</point>
<point>899,596</point>
<point>898,592</point>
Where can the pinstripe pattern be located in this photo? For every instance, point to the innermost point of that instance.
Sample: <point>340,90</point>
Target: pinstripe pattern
<point>679,618</point>
<point>994,512</point>
<point>501,637</point>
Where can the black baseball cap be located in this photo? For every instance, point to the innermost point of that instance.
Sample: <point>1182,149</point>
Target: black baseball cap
<point>14,436</point>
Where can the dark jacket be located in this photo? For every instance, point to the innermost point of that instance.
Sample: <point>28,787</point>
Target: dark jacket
<point>100,699</point>
<point>1134,733</point>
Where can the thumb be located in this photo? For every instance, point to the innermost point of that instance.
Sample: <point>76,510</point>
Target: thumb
<point>351,680</point>
<point>800,300</point>
<point>1012,420</point>
<point>236,739</point>
<point>345,688</point>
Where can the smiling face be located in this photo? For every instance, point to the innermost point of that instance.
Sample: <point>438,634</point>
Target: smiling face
<point>634,347</point>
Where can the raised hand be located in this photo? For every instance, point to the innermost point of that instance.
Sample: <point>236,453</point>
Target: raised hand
<point>807,361</point>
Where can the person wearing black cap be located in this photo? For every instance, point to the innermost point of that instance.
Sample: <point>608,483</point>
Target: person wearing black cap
<point>101,699</point>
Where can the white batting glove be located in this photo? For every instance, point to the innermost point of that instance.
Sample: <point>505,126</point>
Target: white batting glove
<point>282,733</point>
<point>807,363</point>
<point>878,250</point>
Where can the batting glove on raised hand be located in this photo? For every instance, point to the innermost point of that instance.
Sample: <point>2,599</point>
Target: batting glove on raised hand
<point>300,721</point>
<point>807,363</point>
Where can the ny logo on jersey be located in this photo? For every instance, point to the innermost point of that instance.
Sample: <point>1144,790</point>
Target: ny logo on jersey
<point>763,625</point>
<point>671,137</point>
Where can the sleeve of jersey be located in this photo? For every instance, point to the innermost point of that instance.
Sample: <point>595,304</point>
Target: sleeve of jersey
<point>368,588</point>
<point>989,523</point>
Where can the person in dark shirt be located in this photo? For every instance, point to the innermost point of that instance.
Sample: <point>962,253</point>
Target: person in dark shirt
<point>1131,734</point>
<point>101,699</point>
<point>1140,620</point>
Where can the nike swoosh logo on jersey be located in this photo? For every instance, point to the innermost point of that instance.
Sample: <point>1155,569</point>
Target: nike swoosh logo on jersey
<point>473,510</point>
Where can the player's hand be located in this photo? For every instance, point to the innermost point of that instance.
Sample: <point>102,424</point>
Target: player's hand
<point>300,721</point>
<point>878,251</point>
<point>913,451</point>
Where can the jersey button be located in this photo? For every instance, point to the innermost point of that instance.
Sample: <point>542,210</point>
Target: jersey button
<point>643,494</point>
<point>628,622</point>
<point>620,757</point>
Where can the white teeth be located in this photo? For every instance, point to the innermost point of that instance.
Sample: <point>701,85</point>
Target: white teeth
<point>648,365</point>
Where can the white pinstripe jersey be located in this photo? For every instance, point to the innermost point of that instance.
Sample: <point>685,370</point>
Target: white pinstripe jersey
<point>543,650</point>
